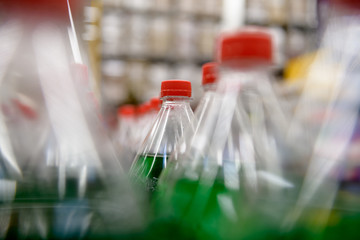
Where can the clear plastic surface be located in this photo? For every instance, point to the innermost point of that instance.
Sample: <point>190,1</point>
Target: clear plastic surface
<point>174,117</point>
<point>59,175</point>
<point>226,179</point>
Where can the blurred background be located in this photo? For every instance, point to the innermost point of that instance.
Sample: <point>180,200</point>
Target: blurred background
<point>136,44</point>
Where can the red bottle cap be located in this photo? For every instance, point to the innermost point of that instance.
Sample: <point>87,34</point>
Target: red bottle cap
<point>143,108</point>
<point>156,103</point>
<point>251,44</point>
<point>209,71</point>
<point>126,110</point>
<point>176,88</point>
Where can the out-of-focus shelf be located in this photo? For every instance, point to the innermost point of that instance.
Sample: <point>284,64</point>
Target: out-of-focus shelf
<point>302,27</point>
<point>156,59</point>
<point>265,24</point>
<point>166,13</point>
<point>285,26</point>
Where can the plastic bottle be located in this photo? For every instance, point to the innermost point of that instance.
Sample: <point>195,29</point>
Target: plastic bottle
<point>219,177</point>
<point>125,135</point>
<point>329,105</point>
<point>147,114</point>
<point>209,81</point>
<point>155,103</point>
<point>62,178</point>
<point>155,106</point>
<point>143,124</point>
<point>174,117</point>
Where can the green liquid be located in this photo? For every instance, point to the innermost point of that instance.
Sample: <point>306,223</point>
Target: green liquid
<point>147,170</point>
<point>206,208</point>
<point>38,211</point>
<point>213,210</point>
<point>209,211</point>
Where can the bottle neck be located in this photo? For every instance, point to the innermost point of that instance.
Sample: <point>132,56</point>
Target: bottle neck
<point>175,100</point>
<point>236,78</point>
<point>209,87</point>
<point>126,118</point>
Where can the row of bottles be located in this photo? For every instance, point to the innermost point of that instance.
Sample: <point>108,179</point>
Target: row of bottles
<point>216,162</point>
<point>134,124</point>
<point>244,167</point>
<point>240,167</point>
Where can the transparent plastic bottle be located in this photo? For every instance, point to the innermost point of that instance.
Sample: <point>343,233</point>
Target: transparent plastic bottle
<point>125,135</point>
<point>329,106</point>
<point>230,164</point>
<point>209,83</point>
<point>155,104</point>
<point>174,117</point>
<point>59,175</point>
<point>143,124</point>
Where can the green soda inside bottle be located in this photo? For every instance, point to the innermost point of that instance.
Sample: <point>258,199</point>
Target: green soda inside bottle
<point>213,208</point>
<point>147,169</point>
<point>208,208</point>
